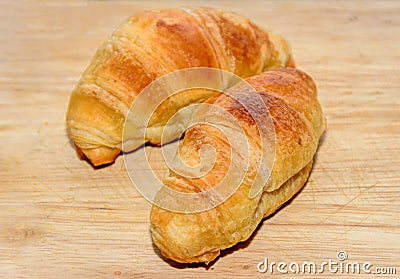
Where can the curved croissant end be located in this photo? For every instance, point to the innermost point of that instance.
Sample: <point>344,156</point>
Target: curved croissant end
<point>149,45</point>
<point>291,98</point>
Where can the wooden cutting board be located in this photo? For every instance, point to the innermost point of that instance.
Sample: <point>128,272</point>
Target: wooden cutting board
<point>60,218</point>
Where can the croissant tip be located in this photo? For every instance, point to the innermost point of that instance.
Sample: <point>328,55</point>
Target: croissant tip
<point>98,157</point>
<point>80,153</point>
<point>291,63</point>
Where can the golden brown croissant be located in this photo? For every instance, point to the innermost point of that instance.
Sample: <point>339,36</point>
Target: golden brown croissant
<point>149,45</point>
<point>297,124</point>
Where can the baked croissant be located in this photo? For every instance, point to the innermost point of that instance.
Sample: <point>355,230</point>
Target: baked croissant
<point>297,123</point>
<point>149,45</point>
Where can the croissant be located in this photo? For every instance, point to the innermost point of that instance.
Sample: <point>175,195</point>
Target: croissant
<point>149,45</point>
<point>296,124</point>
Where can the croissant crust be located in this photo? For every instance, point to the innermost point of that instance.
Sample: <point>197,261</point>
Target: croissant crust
<point>149,45</point>
<point>298,123</point>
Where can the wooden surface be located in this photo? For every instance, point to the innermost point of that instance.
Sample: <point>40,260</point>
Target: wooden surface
<point>60,218</point>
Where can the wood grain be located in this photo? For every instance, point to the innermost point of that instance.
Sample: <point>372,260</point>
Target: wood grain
<point>62,218</point>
